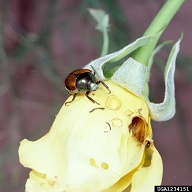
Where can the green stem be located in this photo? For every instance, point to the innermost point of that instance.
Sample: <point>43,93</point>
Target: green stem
<point>105,43</point>
<point>158,25</point>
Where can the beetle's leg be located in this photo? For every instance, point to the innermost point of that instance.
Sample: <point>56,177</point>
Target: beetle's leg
<point>74,96</point>
<point>104,85</point>
<point>87,95</point>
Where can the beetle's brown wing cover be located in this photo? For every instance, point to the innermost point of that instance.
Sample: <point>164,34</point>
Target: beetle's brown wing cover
<point>80,71</point>
<point>70,81</point>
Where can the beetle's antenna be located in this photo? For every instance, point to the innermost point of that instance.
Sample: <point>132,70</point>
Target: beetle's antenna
<point>93,70</point>
<point>105,85</point>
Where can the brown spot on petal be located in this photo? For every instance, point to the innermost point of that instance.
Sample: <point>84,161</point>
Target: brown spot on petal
<point>101,108</point>
<point>104,165</point>
<point>109,127</point>
<point>139,111</point>
<point>148,144</point>
<point>138,127</point>
<point>113,103</point>
<point>116,122</point>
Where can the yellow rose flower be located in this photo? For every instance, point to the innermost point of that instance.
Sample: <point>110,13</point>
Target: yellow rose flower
<point>107,147</point>
<point>95,148</point>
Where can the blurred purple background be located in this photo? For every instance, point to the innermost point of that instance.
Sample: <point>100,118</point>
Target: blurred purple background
<point>41,42</point>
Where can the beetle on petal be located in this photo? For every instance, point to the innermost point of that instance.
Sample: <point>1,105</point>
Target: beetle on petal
<point>82,81</point>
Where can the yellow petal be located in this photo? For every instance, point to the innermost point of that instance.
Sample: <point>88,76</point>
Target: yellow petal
<point>89,147</point>
<point>123,183</point>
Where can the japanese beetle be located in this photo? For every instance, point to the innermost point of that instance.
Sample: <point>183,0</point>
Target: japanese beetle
<point>82,81</point>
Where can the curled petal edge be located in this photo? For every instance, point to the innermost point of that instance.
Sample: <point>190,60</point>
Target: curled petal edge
<point>166,110</point>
